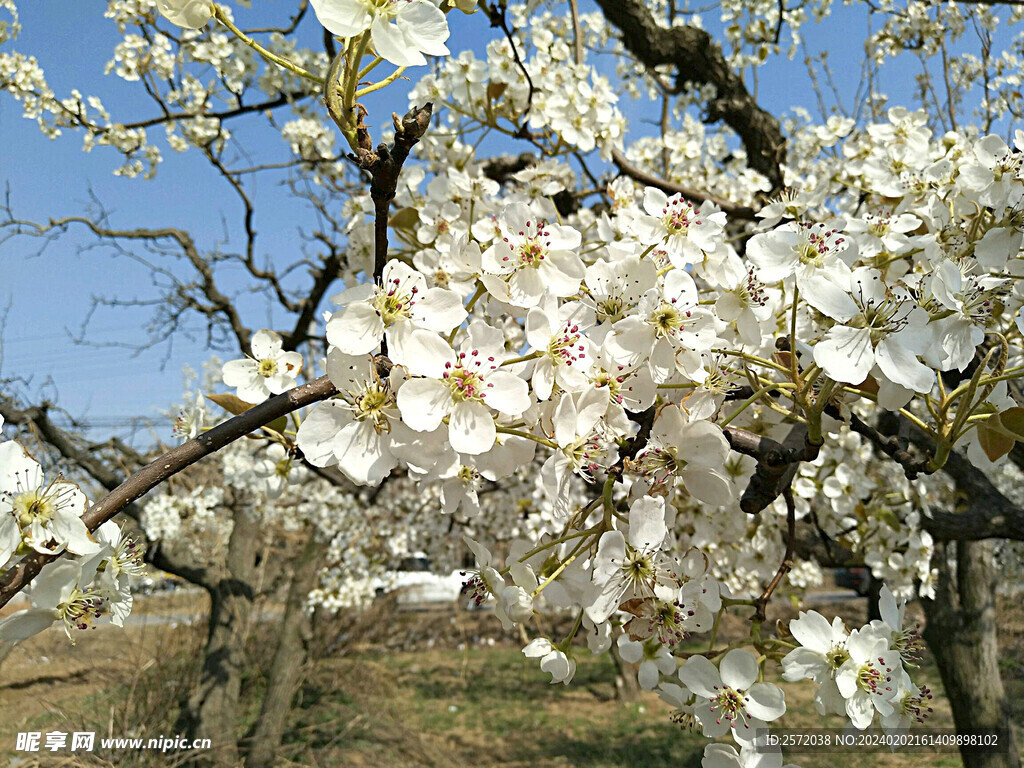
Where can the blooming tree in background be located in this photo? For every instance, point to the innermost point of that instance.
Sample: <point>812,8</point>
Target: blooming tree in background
<point>674,363</point>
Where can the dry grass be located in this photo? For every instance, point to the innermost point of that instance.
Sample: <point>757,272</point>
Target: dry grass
<point>408,689</point>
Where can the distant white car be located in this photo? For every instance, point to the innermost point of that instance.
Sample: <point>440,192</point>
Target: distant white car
<point>414,584</point>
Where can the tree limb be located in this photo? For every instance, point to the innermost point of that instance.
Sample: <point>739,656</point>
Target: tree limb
<point>696,196</point>
<point>699,61</point>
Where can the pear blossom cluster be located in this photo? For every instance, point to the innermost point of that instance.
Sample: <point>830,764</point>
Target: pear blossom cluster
<point>861,673</point>
<point>92,585</point>
<point>568,329</point>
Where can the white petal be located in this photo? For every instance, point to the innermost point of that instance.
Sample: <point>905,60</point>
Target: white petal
<point>424,403</point>
<point>827,296</point>
<point>812,630</point>
<point>630,650</point>
<point>425,26</point>
<point>801,664</point>
<point>647,529</point>
<point>392,44</point>
<point>355,330</point>
<point>766,701</point>
<point>526,288</point>
<point>422,352</point>
<point>471,428</point>
<point>902,367</point>
<point>507,393</point>
<point>344,18</point>
<point>440,310</point>
<point>347,372</point>
<point>700,676</point>
<point>24,624</point>
<point>738,669</point>
<point>316,434</point>
<point>708,485</point>
<point>266,344</point>
<point>648,676</point>
<point>362,453</point>
<point>239,373</point>
<point>845,354</point>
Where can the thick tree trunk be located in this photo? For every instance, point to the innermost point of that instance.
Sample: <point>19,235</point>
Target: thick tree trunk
<point>214,706</point>
<point>961,631</point>
<point>289,658</point>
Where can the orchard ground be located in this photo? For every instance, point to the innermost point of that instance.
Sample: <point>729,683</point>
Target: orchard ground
<point>443,688</point>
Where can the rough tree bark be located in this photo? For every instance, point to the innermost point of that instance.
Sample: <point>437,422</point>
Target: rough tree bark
<point>289,658</point>
<point>961,633</point>
<point>699,61</point>
<point>213,708</point>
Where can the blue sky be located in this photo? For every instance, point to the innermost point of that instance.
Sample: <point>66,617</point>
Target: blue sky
<point>47,287</point>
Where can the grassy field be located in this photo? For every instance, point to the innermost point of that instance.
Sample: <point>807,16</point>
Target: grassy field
<point>439,689</point>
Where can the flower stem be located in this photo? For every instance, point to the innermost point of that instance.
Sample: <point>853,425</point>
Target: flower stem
<point>292,67</point>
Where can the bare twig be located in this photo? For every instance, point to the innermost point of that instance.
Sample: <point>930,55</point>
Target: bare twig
<point>496,14</point>
<point>787,560</point>
<point>696,196</point>
<point>384,166</point>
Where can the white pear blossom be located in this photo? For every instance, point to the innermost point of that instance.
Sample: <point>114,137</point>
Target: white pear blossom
<point>552,660</point>
<point>686,232</point>
<point>625,569</point>
<point>867,679</point>
<point>270,370</point>
<point>470,385</point>
<point>401,30</point>
<point>396,309</point>
<point>61,592</point>
<point>653,658</point>
<point>693,451</point>
<point>355,429</point>
<point>43,515</point>
<point>888,331</point>
<point>191,14</point>
<point>821,653</point>
<point>531,258</point>
<point>729,698</point>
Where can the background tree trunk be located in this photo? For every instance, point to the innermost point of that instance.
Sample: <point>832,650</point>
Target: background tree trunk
<point>289,658</point>
<point>214,706</point>
<point>627,687</point>
<point>961,631</point>
<point>873,596</point>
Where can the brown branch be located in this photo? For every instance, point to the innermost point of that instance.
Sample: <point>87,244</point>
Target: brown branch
<point>776,463</point>
<point>893,446</point>
<point>496,15</point>
<point>384,167</point>
<point>169,464</point>
<point>984,512</point>
<point>699,61</point>
<point>696,196</point>
<point>64,442</point>
<point>787,560</point>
